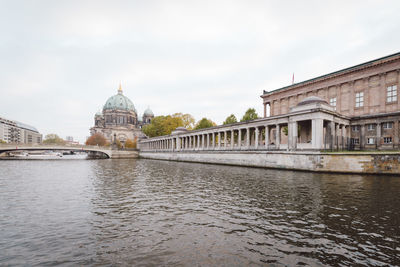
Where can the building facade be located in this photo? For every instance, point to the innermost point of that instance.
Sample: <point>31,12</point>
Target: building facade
<point>366,94</point>
<point>18,133</point>
<point>119,119</point>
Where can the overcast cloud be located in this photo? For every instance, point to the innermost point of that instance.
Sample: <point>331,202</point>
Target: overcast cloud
<point>61,60</point>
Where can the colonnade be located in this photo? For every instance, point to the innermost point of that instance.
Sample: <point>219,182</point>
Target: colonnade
<point>283,134</point>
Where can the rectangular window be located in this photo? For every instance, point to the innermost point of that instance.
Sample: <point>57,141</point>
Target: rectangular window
<point>359,99</point>
<point>371,127</point>
<point>370,141</point>
<point>387,140</point>
<point>332,102</point>
<point>387,125</point>
<point>355,141</point>
<point>391,93</point>
<point>355,128</point>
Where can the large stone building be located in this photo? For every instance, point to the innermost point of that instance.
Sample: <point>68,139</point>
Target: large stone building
<point>18,132</point>
<point>365,95</point>
<point>119,119</point>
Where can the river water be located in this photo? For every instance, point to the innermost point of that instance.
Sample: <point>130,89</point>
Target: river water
<point>151,213</point>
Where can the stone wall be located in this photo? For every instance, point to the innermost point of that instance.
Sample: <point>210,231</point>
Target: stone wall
<point>124,154</point>
<point>378,163</point>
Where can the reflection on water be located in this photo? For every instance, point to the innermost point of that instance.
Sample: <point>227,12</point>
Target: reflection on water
<point>147,212</point>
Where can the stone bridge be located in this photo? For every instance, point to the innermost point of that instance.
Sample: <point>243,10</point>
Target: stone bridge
<point>104,152</point>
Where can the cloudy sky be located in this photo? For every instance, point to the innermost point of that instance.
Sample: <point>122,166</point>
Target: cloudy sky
<point>61,60</point>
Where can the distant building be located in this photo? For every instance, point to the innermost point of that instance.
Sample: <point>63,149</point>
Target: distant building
<point>119,118</point>
<point>19,133</point>
<point>365,95</point>
<point>70,140</point>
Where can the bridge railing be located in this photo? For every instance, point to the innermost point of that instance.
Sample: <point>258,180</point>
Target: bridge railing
<point>17,145</point>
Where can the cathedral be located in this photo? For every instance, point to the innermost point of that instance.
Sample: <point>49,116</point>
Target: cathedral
<point>120,119</point>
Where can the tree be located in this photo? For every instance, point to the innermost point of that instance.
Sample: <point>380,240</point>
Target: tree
<point>188,120</point>
<point>129,143</point>
<point>204,123</point>
<point>162,125</point>
<point>2,141</point>
<point>250,115</point>
<point>96,139</point>
<point>53,139</point>
<point>230,119</point>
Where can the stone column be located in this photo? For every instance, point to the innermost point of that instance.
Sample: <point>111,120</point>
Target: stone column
<point>266,136</point>
<point>337,136</point>
<point>396,134</point>
<point>202,141</point>
<point>219,140</point>
<point>232,139</point>
<point>247,137</point>
<point>256,138</point>
<point>292,135</point>
<point>225,140</point>
<point>208,140</point>
<point>378,135</point>
<point>332,132</point>
<point>213,140</point>
<point>265,110</point>
<point>317,133</point>
<point>198,141</point>
<point>362,136</point>
<point>278,136</point>
<point>239,138</point>
<point>343,134</point>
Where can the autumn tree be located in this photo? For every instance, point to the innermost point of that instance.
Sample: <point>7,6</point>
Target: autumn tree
<point>96,139</point>
<point>230,119</point>
<point>53,139</point>
<point>188,120</point>
<point>204,123</point>
<point>164,125</point>
<point>129,143</point>
<point>250,115</point>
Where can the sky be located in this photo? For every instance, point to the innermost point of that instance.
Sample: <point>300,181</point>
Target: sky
<point>61,60</point>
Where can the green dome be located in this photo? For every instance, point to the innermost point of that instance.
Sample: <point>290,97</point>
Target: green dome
<point>148,112</point>
<point>119,101</point>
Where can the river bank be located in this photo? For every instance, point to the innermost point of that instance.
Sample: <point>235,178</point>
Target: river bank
<point>343,162</point>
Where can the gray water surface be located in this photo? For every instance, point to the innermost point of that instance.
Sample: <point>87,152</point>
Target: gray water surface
<point>151,213</point>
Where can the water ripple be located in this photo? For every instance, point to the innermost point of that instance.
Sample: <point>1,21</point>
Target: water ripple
<point>148,213</point>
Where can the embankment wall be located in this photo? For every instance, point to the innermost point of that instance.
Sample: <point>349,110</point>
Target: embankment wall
<point>372,163</point>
